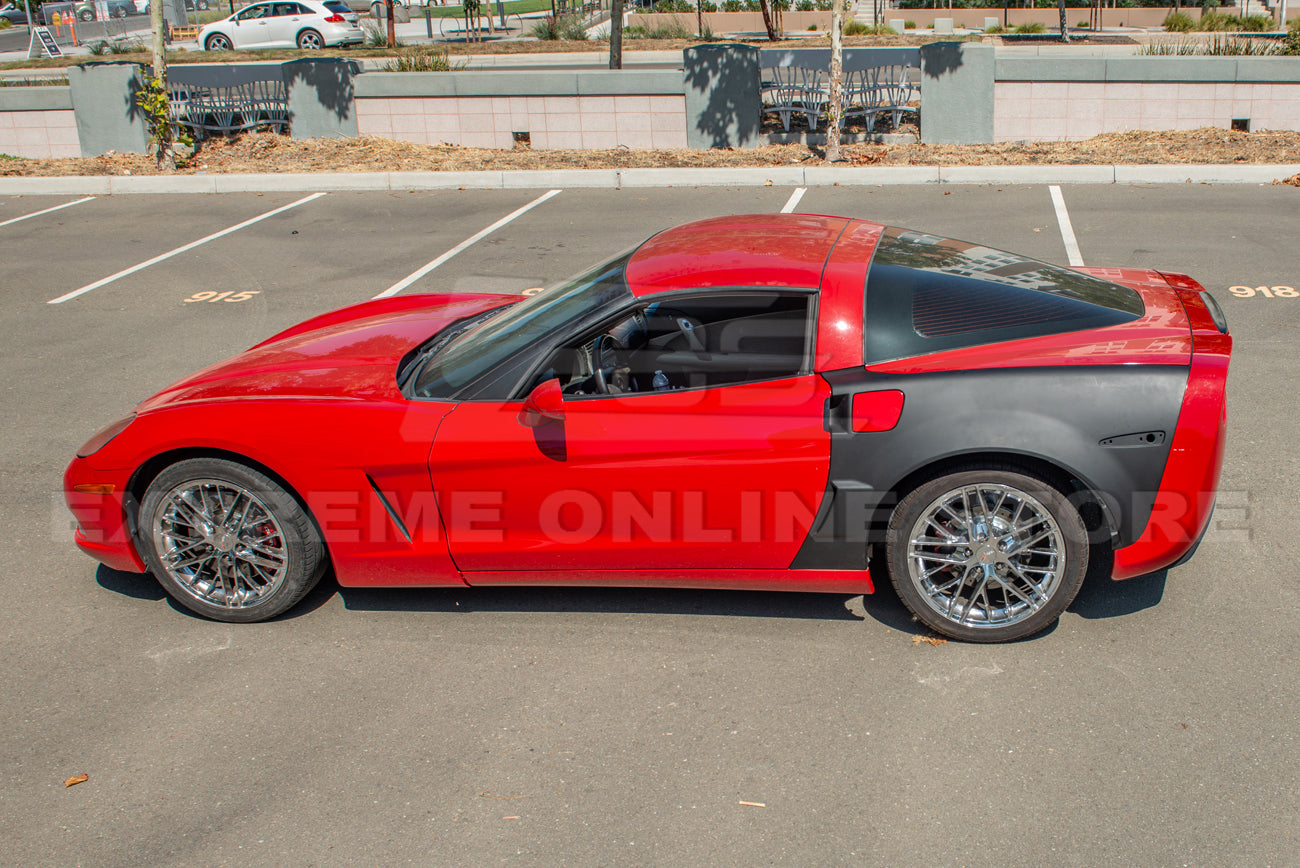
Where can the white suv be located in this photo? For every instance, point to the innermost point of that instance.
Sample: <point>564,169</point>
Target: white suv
<point>284,24</point>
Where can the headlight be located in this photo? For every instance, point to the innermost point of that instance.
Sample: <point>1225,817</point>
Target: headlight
<point>100,440</point>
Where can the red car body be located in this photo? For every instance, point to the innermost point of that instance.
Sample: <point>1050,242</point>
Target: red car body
<point>729,487</point>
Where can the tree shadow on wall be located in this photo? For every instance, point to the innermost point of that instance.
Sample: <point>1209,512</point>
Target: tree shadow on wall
<point>731,115</point>
<point>331,78</point>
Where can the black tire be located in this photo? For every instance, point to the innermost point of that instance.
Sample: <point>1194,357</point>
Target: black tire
<point>216,42</point>
<point>86,15</point>
<point>118,12</point>
<point>201,5</point>
<point>994,574</point>
<point>310,40</point>
<point>227,542</point>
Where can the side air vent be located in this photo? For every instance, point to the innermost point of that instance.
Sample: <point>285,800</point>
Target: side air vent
<point>1129,441</point>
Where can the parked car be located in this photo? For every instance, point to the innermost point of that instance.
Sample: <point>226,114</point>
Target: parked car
<point>86,10</point>
<point>308,24</point>
<point>760,402</point>
<point>13,15</point>
<point>373,7</point>
<point>142,6</point>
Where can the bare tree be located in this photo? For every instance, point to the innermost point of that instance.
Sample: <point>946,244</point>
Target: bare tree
<point>1065,31</point>
<point>765,6</point>
<point>616,34</point>
<point>392,28</point>
<point>836,103</point>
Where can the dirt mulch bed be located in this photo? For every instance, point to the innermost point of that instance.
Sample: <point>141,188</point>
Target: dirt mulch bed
<point>273,153</point>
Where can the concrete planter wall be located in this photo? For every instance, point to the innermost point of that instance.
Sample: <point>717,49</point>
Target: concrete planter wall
<point>578,110</point>
<point>1041,99</point>
<point>733,22</point>
<point>969,94</point>
<point>38,122</point>
<point>973,19</point>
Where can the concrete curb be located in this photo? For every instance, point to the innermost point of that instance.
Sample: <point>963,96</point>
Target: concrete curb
<point>782,176</point>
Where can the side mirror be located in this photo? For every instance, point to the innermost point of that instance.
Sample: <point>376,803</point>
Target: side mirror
<point>543,404</point>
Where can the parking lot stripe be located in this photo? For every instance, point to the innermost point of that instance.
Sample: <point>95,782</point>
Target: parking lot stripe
<point>794,200</point>
<point>169,254</point>
<point>46,211</point>
<point>1067,231</point>
<point>468,242</point>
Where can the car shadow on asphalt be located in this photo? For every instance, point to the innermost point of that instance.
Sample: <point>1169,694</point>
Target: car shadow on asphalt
<point>1100,597</point>
<point>620,601</point>
<point>1104,597</point>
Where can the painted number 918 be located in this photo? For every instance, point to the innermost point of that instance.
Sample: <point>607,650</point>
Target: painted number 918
<point>1265,291</point>
<point>223,296</point>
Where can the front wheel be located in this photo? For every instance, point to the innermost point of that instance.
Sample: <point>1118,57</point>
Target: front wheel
<point>987,555</point>
<point>228,542</point>
<point>216,42</point>
<point>310,40</point>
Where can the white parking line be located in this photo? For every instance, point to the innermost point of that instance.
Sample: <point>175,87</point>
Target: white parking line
<point>1067,231</point>
<point>468,242</point>
<point>46,211</point>
<point>169,254</point>
<point>794,199</point>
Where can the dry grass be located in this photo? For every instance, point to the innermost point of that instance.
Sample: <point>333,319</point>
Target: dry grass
<point>269,152</point>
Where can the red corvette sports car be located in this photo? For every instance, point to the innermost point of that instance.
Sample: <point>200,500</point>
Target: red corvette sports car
<point>760,402</point>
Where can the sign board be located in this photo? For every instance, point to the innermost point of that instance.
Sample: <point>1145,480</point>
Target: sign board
<point>43,41</point>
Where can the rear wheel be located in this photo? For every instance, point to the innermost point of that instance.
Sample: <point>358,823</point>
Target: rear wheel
<point>987,555</point>
<point>228,542</point>
<point>310,40</point>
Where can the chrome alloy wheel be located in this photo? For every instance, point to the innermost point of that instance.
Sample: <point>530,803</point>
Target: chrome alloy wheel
<point>220,543</point>
<point>986,555</point>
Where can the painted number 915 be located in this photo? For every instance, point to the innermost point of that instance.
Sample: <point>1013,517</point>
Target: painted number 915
<point>1264,291</point>
<point>223,296</point>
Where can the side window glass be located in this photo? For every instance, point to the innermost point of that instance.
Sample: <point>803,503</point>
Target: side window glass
<point>690,343</point>
<point>253,12</point>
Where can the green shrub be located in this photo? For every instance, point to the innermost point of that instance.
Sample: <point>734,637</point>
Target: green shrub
<point>547,29</point>
<point>995,30</point>
<point>1256,24</point>
<point>674,28</point>
<point>909,24</point>
<point>733,5</point>
<point>572,28</point>
<point>812,26</point>
<point>96,48</point>
<point>5,24</point>
<point>1170,49</point>
<point>1030,27</point>
<point>1084,25</point>
<point>1214,21</point>
<point>376,37</point>
<point>1235,46</point>
<point>708,6</point>
<point>1179,22</point>
<point>805,6</point>
<point>421,58</point>
<point>1291,42</point>
<point>858,28</point>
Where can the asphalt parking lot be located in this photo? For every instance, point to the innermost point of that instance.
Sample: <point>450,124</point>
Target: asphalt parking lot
<point>1156,724</point>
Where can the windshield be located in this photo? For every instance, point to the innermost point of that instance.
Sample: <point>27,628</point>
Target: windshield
<point>521,326</point>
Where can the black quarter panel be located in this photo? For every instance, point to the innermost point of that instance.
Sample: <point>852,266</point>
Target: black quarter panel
<point>1057,415</point>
